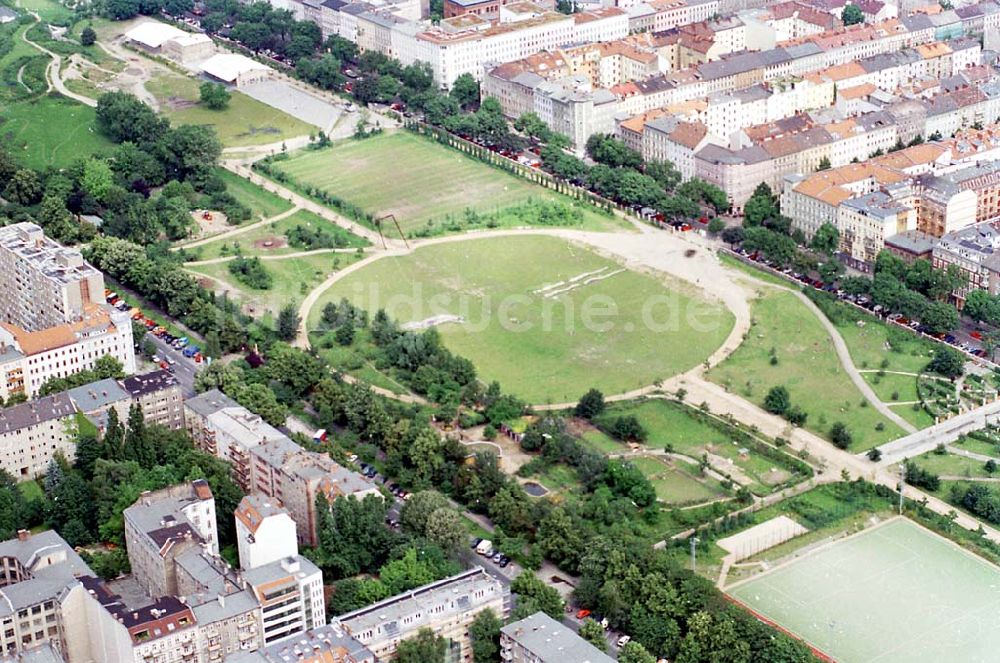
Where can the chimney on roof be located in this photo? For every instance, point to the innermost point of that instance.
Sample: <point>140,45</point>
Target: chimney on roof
<point>23,535</point>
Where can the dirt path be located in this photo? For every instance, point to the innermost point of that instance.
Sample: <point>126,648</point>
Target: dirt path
<point>52,77</point>
<point>304,203</point>
<point>237,230</point>
<point>284,256</point>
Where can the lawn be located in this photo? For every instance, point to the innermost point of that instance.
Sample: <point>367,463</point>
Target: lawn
<point>873,343</point>
<point>50,131</point>
<point>245,121</point>
<point>428,183</point>
<point>892,387</point>
<point>293,279</point>
<point>919,417</point>
<point>676,427</point>
<point>677,482</point>
<point>894,593</point>
<point>251,242</point>
<point>978,446</point>
<point>952,465</point>
<point>521,318</point>
<point>261,202</point>
<point>806,365</point>
<point>750,270</point>
<point>48,10</point>
<point>601,442</point>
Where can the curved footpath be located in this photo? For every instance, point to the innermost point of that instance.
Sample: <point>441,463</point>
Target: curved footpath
<point>52,77</point>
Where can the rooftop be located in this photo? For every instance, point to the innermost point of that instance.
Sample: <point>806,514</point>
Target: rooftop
<point>38,411</point>
<point>149,383</point>
<point>97,395</point>
<point>552,642</point>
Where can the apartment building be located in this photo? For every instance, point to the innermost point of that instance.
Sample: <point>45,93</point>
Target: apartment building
<point>447,607</point>
<point>267,463</point>
<point>541,639</point>
<point>265,532</point>
<point>282,470</point>
<point>164,524</point>
<point>29,358</point>
<point>32,433</point>
<point>45,284</point>
<point>974,251</point>
<point>159,396</point>
<point>290,594</point>
<point>39,592</point>
<point>97,399</point>
<point>326,644</point>
<point>46,653</point>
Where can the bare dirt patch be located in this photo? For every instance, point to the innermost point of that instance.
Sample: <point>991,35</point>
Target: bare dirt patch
<point>270,243</point>
<point>209,222</point>
<point>179,103</point>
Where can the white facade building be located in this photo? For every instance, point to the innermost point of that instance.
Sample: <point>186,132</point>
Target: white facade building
<point>265,532</point>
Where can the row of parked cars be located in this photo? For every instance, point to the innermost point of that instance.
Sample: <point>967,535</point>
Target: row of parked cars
<point>177,342</point>
<point>865,302</point>
<point>484,547</point>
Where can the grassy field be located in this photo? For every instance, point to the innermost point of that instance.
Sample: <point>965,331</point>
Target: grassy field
<point>48,10</point>
<point>675,427</point>
<point>806,365</point>
<point>249,243</point>
<point>919,417</point>
<point>541,348</point>
<point>429,182</point>
<point>50,131</point>
<point>874,343</point>
<point>262,203</point>
<point>293,278</point>
<point>953,465</point>
<point>892,387</point>
<point>245,121</point>
<point>897,592</point>
<point>677,482</point>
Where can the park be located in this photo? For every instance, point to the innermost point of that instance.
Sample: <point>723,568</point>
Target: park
<point>545,317</point>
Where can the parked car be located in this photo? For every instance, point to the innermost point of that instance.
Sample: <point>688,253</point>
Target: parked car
<point>624,640</point>
<point>475,543</point>
<point>583,613</point>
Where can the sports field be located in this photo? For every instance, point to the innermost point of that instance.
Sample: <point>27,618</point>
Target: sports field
<point>421,181</point>
<point>528,314</point>
<point>896,593</point>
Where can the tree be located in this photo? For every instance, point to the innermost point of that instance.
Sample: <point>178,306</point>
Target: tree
<point>534,595</point>
<point>178,7</point>
<point>827,239</point>
<point>345,333</point>
<point>940,317</point>
<point>840,436</point>
<point>777,400</point>
<point>87,36</point>
<point>990,466</point>
<point>634,652</point>
<point>446,528</point>
<point>824,164</point>
<point>417,510</point>
<point>214,95</point>
<point>852,15</point>
<point>122,117</point>
<point>733,235</point>
<point>591,404</point>
<point>484,633</point>
<point>25,188</point>
<point>593,633</point>
<point>254,36</point>
<point>874,454</point>
<point>424,648</point>
<point>260,398</point>
<point>716,225</point>
<point>465,90</point>
<point>288,322</point>
<point>947,362</point>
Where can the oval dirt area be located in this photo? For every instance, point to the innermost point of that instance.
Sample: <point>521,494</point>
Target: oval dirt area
<point>270,243</point>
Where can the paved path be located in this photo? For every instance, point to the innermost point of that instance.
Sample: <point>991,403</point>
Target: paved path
<point>237,230</point>
<point>971,454</point>
<point>942,433</point>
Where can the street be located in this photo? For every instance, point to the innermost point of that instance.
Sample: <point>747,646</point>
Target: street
<point>183,368</point>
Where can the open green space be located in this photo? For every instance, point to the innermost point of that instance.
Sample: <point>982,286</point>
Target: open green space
<point>269,239</point>
<point>293,279</point>
<point>758,274</point>
<point>678,482</point>
<point>245,121</point>
<point>49,11</point>
<point>806,365</point>
<point>525,322</point>
<point>977,444</point>
<point>917,415</point>
<point>892,387</point>
<point>897,592</point>
<point>31,490</point>
<point>679,428</point>
<point>874,344</point>
<point>262,203</point>
<point>601,442</point>
<point>953,465</point>
<point>427,186</point>
<point>50,131</point>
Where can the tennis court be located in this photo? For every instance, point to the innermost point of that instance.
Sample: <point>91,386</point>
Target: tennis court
<point>894,593</point>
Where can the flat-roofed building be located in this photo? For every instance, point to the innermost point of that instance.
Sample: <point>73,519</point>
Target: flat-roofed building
<point>541,639</point>
<point>265,532</point>
<point>326,644</point>
<point>45,284</point>
<point>290,594</point>
<point>446,607</point>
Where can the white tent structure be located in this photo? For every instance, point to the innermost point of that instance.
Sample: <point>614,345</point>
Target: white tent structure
<point>235,68</point>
